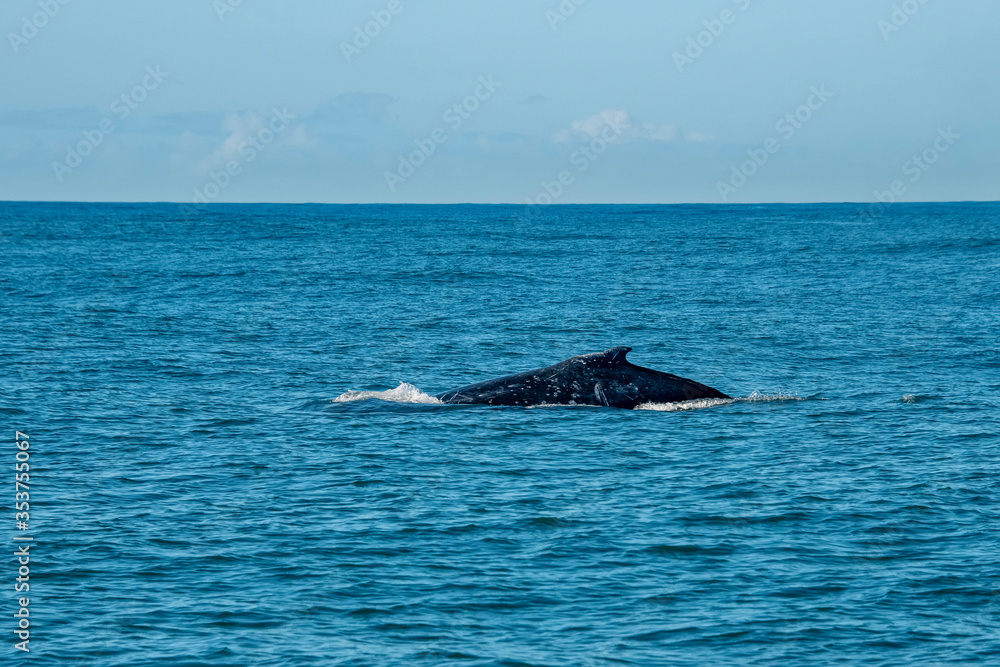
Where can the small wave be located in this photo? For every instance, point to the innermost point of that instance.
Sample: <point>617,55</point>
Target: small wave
<point>404,393</point>
<point>702,403</point>
<point>915,398</point>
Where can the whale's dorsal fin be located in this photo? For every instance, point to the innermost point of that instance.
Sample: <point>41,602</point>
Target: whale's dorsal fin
<point>612,357</point>
<point>616,355</point>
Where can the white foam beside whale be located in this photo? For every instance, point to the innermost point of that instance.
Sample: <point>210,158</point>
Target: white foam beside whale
<point>404,393</point>
<point>702,403</point>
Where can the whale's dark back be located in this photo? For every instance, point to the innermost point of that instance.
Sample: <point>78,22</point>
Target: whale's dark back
<point>604,378</point>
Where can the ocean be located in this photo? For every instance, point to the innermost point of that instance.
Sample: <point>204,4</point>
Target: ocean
<point>236,457</point>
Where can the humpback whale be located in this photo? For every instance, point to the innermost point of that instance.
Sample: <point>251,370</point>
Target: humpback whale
<point>602,378</point>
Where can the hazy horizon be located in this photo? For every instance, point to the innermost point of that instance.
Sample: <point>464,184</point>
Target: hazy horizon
<point>571,101</point>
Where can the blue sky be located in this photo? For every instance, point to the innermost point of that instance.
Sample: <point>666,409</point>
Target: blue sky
<point>499,101</point>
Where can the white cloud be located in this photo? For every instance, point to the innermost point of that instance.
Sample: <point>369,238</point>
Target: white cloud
<point>592,127</point>
<point>631,128</point>
<point>655,132</point>
<point>698,137</point>
<point>247,133</point>
<point>239,127</point>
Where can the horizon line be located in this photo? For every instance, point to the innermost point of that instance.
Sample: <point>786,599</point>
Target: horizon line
<point>473,203</point>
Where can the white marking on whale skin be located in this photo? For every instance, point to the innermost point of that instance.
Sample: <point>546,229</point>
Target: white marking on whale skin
<point>599,392</point>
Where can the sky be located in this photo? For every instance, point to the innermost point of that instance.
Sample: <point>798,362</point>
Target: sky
<point>493,101</point>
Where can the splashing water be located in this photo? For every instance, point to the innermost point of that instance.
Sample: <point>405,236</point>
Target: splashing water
<point>702,403</point>
<point>404,393</point>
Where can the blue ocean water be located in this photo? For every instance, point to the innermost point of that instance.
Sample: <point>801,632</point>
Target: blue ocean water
<point>212,485</point>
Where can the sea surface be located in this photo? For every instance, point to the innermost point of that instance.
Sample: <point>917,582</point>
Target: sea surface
<point>236,458</point>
